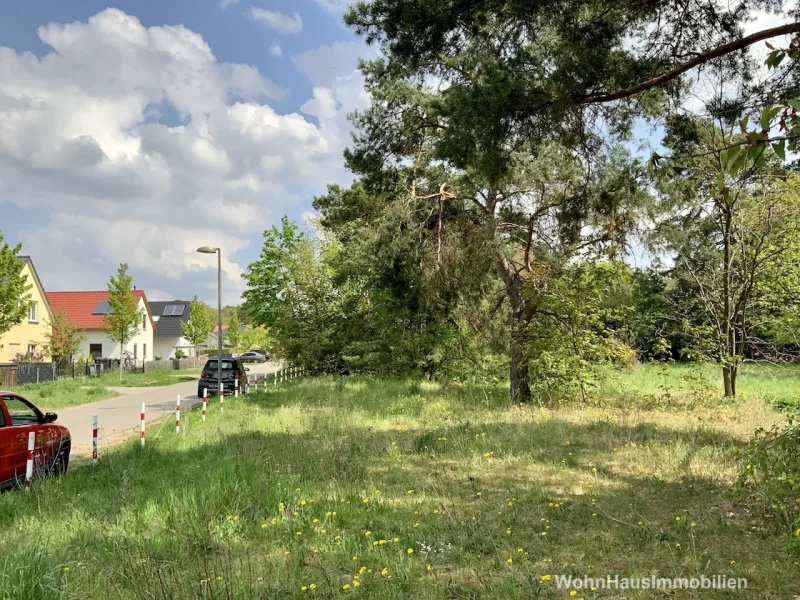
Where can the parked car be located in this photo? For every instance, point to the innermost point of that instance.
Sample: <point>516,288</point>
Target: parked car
<point>19,417</point>
<point>264,352</point>
<point>253,356</point>
<point>232,368</point>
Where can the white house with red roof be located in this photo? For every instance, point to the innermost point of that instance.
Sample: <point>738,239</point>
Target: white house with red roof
<point>87,310</point>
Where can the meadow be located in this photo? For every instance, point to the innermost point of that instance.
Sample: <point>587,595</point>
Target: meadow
<point>366,487</point>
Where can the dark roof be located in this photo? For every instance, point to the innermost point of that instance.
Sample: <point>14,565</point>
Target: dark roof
<point>169,327</point>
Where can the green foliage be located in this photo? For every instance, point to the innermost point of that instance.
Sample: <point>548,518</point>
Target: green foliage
<point>179,353</point>
<point>123,320</point>
<point>772,473</point>
<point>198,326</point>
<point>267,277</point>
<point>579,328</point>
<point>234,335</point>
<point>14,296</point>
<point>63,339</point>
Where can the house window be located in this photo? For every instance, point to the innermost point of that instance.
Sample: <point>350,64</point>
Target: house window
<point>31,350</point>
<point>144,351</point>
<point>33,313</point>
<point>96,351</point>
<point>144,322</point>
<point>135,351</point>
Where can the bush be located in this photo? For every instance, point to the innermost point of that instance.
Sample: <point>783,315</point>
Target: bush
<point>772,475</point>
<point>179,353</point>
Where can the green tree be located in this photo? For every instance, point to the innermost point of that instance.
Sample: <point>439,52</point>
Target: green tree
<point>197,328</point>
<point>14,296</point>
<point>63,338</point>
<point>124,318</point>
<point>267,277</point>
<point>234,335</point>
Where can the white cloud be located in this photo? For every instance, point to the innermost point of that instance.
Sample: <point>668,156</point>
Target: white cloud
<point>280,22</point>
<point>276,50</point>
<point>83,139</point>
<point>335,7</point>
<point>223,4</point>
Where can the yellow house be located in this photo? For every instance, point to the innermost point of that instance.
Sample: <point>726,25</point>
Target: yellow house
<point>29,336</point>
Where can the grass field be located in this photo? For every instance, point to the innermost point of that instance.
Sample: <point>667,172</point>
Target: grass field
<point>347,488</point>
<point>155,378</point>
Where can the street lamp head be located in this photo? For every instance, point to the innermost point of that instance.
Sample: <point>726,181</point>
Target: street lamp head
<point>208,250</point>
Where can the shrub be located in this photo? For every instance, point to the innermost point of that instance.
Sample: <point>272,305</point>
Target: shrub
<point>772,475</point>
<point>179,353</point>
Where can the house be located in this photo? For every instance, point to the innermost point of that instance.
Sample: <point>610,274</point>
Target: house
<point>168,336</point>
<point>211,341</point>
<point>87,310</point>
<point>29,336</point>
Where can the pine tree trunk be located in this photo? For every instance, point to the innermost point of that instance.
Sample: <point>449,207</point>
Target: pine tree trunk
<point>519,375</point>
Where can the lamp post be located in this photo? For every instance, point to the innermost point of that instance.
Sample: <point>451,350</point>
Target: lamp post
<point>218,252</point>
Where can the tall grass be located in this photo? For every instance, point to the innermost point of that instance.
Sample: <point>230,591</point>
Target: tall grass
<point>365,487</point>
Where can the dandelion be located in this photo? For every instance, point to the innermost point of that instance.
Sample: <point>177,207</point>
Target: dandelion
<point>304,588</point>
<point>346,586</point>
<point>356,583</point>
<point>410,492</point>
<point>66,569</point>
<point>436,511</point>
<point>733,562</point>
<point>287,553</point>
<point>510,561</point>
<point>594,514</point>
<point>367,533</point>
<point>362,570</point>
<point>355,558</point>
<point>520,550</point>
<point>693,525</point>
<point>395,540</point>
<point>323,531</point>
<point>328,514</point>
<point>544,533</point>
<point>594,469</point>
<point>546,577</point>
<point>313,586</point>
<point>479,494</point>
<point>797,533</point>
<point>573,593</point>
<point>297,490</point>
<point>641,523</point>
<point>430,568</point>
<point>384,572</point>
<point>219,578</point>
<point>274,521</point>
<point>235,517</point>
<point>677,518</point>
<point>416,525</point>
<point>315,521</point>
<point>487,454</point>
<point>508,531</point>
<point>410,551</point>
<point>365,500</point>
<point>299,533</point>
<point>263,526</point>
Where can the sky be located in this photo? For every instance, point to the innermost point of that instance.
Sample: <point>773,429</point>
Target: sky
<point>138,132</point>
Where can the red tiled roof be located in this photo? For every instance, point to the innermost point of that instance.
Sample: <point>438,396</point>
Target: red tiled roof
<point>78,307</point>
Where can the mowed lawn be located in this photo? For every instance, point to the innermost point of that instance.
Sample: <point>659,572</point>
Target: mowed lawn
<point>361,487</point>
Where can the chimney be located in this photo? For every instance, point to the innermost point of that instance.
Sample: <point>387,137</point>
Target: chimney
<point>134,288</point>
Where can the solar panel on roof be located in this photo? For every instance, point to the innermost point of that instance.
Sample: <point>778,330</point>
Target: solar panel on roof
<point>178,310</point>
<point>102,308</point>
<point>168,310</point>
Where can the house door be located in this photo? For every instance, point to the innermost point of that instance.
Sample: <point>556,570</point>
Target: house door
<point>14,349</point>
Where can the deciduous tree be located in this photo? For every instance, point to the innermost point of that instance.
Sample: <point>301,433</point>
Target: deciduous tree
<point>124,318</point>
<point>198,326</point>
<point>14,296</point>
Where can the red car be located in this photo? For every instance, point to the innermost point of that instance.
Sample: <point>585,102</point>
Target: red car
<point>18,418</point>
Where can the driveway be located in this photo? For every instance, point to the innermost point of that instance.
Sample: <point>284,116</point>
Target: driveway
<point>119,417</point>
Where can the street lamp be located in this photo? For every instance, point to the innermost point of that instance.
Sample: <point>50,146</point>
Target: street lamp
<point>218,252</point>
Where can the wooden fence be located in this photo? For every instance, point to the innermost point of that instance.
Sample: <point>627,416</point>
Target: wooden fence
<point>8,375</point>
<point>177,364</point>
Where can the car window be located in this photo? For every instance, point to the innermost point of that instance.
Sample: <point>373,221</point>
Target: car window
<point>20,412</point>
<point>227,365</point>
<point>2,417</point>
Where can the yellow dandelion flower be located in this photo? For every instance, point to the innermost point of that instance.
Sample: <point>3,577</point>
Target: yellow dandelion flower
<point>693,525</point>
<point>263,526</point>
<point>66,569</point>
<point>287,553</point>
<point>594,469</point>
<point>346,586</point>
<point>430,568</point>
<point>384,572</point>
<point>219,578</point>
<point>573,593</point>
<point>315,521</point>
<point>313,586</point>
<point>508,531</point>
<point>356,583</point>
<point>416,525</point>
<point>362,570</point>
<point>641,523</point>
<point>733,562</point>
<point>397,539</point>
<point>355,558</point>
<point>546,577</point>
<point>367,533</point>
<point>510,561</point>
<point>381,542</point>
<point>544,533</point>
<point>375,543</point>
<point>274,521</point>
<point>304,588</point>
<point>365,500</point>
<point>410,492</point>
<point>797,533</point>
<point>410,551</point>
<point>520,550</point>
<point>323,531</point>
<point>299,533</point>
<point>479,494</point>
<point>677,518</point>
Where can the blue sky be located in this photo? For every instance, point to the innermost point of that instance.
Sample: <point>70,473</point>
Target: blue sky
<point>136,131</point>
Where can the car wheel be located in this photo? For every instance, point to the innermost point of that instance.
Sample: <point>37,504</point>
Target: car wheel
<point>200,392</point>
<point>60,463</point>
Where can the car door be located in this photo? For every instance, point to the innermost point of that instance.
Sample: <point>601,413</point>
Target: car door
<point>8,447</point>
<point>25,418</point>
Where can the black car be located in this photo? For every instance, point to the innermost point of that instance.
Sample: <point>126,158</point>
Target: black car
<point>231,369</point>
<point>253,356</point>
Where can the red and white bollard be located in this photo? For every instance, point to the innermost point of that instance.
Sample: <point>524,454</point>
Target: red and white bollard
<point>236,387</point>
<point>94,439</point>
<point>29,464</point>
<point>142,433</point>
<point>221,397</point>
<point>205,403</point>
<point>178,415</point>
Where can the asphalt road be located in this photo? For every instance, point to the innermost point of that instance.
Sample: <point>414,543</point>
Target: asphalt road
<point>119,417</point>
